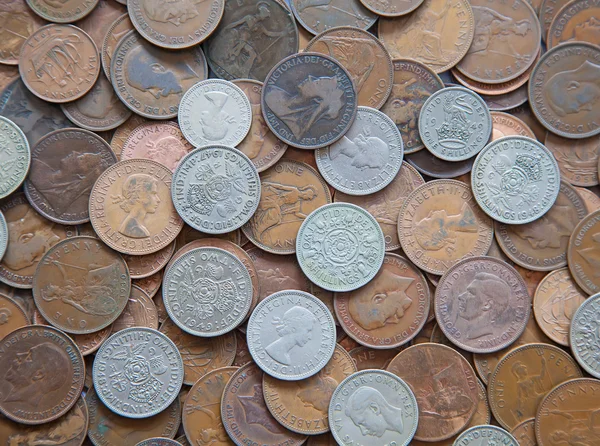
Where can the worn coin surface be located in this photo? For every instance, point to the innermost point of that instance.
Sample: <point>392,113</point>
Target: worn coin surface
<point>123,131</point>
<point>42,376</point>
<point>504,124</point>
<point>583,335</point>
<point>367,158</point>
<point>18,23</point>
<point>121,26</point>
<point>63,11</point>
<point>563,92</point>
<point>583,253</point>
<point>65,164</point>
<point>485,435</point>
<point>13,316</point>
<point>577,158</point>
<point>140,311</point>
<point>440,223</point>
<point>150,80</point>
<point>318,16</point>
<point>547,12</point>
<point>515,180</point>
<point>393,8</point>
<point>524,433</point>
<point>506,101</point>
<point>146,265</point>
<point>138,372</point>
<point>291,335</point>
<point>575,21</point>
<point>372,358</point>
<point>429,164</point>
<point>216,189</point>
<point>151,284</point>
<point>158,441</point>
<point>340,247</point>
<point>131,208</point>
<point>98,22</point>
<point>15,157</point>
<point>309,100</point>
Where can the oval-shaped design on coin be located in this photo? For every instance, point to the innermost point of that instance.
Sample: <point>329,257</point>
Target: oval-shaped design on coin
<point>291,335</point>
<point>484,435</point>
<point>138,372</point>
<point>15,156</point>
<point>583,335</point>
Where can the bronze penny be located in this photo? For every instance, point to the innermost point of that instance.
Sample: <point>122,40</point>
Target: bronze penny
<point>189,234</point>
<point>542,244</point>
<point>63,11</point>
<point>563,90</point>
<point>23,298</point>
<point>556,300</point>
<point>12,316</point>
<point>548,10</point>
<point>504,124</point>
<point>497,253</point>
<point>523,377</point>
<point>575,21</point>
<point>437,34</point>
<point>200,355</point>
<point>30,236</point>
<point>261,145</point>
<point>506,101</point>
<point>17,23</point>
<point>161,309</point>
<point>43,374</point>
<point>390,310</point>
<point>577,159</point>
<point>424,336</point>
<point>108,428</point>
<point>302,406</point>
<point>413,84</point>
<point>140,311</point>
<point>365,58</point>
<point>175,25</point>
<point>81,286</point>
<point>445,387</point>
<point>583,253</point>
<point>372,358</point>
<point>65,164</point>
<point>591,200</point>
<point>429,164</point>
<point>69,430</point>
<point>321,440</point>
<point>123,131</point>
<point>146,265</point>
<point>438,337</point>
<point>440,223</point>
<point>318,16</point>
<point>525,433</point>
<point>201,410</point>
<point>150,80</point>
<point>244,413</point>
<point>289,191</point>
<point>98,22</point>
<point>121,26</point>
<point>393,8</point>
<point>525,114</point>
<point>7,75</point>
<point>150,284</point>
<point>131,207</point>
<point>59,63</point>
<point>385,204</point>
<point>242,353</point>
<point>162,142</point>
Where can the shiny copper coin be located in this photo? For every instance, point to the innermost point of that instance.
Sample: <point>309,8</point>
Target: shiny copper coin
<point>523,377</point>
<point>393,8</point>
<point>43,374</point>
<point>445,387</point>
<point>98,22</point>
<point>59,63</point>
<point>583,253</point>
<point>591,200</point>
<point>123,131</point>
<point>17,23</point>
<point>12,316</point>
<point>318,16</point>
<point>506,101</point>
<point>504,124</point>
<point>62,11</point>
<point>525,433</point>
<point>151,284</point>
<point>577,159</point>
<point>371,358</point>
<point>429,164</point>
<point>121,26</point>
<point>140,311</point>
<point>575,21</point>
<point>149,264</point>
<point>131,207</point>
<point>200,355</point>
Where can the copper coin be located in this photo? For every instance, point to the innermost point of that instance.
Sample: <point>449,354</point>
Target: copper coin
<point>151,284</point>
<point>525,114</point>
<point>563,90</point>
<point>504,124</point>
<point>371,358</point>
<point>438,337</point>
<point>437,34</point>
<point>413,84</point>
<point>575,21</point>
<point>23,298</point>
<point>161,310</point>
<point>150,80</point>
<point>302,406</point>
<point>591,200</point>
<point>261,145</point>
<point>577,159</point>
<point>175,25</point>
<point>162,142</point>
<point>201,410</point>
<point>62,11</point>
<point>189,234</point>
<point>242,353</point>
<point>65,165</point>
<point>81,286</point>
<point>506,101</point>
<point>318,16</point>
<point>321,440</point>
<point>289,192</point>
<point>146,265</point>
<point>548,11</point>
<point>8,74</point>
<point>525,433</point>
<point>123,131</point>
<point>17,23</point>
<point>440,223</point>
<point>44,374</point>
<point>429,164</point>
<point>445,387</point>
<point>200,355</point>
<point>121,26</point>
<point>497,253</point>
<point>12,316</point>
<point>98,22</point>
<point>542,244</point>
<point>523,377</point>
<point>393,8</point>
<point>59,63</point>
<point>131,207</point>
<point>140,311</point>
<point>108,428</point>
<point>583,253</point>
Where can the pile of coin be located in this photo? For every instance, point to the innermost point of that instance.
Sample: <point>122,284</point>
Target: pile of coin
<point>318,222</point>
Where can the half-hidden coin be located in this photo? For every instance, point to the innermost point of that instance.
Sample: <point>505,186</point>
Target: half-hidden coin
<point>504,124</point>
<point>394,8</point>
<point>12,316</point>
<point>575,21</point>
<point>371,358</point>
<point>583,253</point>
<point>3,235</point>
<point>146,265</point>
<point>158,441</point>
<point>140,311</point>
<point>121,26</point>
<point>317,17</point>
<point>429,164</point>
<point>547,12</point>
<point>123,131</point>
<point>64,11</point>
<point>18,23</point>
<point>577,158</point>
<point>98,22</point>
<point>151,284</point>
<point>485,435</point>
<point>524,433</point>
<point>583,335</point>
<point>15,157</point>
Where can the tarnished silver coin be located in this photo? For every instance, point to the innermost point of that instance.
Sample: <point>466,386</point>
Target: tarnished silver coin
<point>3,235</point>
<point>215,111</point>
<point>158,441</point>
<point>585,335</point>
<point>138,372</point>
<point>485,435</point>
<point>340,247</point>
<point>291,335</point>
<point>215,189</point>
<point>373,408</point>
<point>207,292</point>
<point>455,124</point>
<point>515,180</point>
<point>309,100</point>
<point>367,158</point>
<point>15,157</point>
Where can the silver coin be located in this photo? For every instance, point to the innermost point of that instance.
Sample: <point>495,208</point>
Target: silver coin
<point>515,180</point>
<point>215,189</point>
<point>367,158</point>
<point>158,441</point>
<point>207,292</point>
<point>3,235</point>
<point>584,335</point>
<point>138,372</point>
<point>291,335</point>
<point>215,111</point>
<point>455,124</point>
<point>485,435</point>
<point>373,408</point>
<point>340,247</point>
<point>15,157</point>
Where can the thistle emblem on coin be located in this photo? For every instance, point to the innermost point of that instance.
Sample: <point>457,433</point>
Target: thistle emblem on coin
<point>516,180</point>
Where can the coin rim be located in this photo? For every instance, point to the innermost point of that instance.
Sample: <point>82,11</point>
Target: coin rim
<point>391,15</point>
<point>25,142</point>
<point>588,302</point>
<point>296,14</point>
<point>103,56</point>
<point>571,247</point>
<point>465,433</point>
<point>57,19</point>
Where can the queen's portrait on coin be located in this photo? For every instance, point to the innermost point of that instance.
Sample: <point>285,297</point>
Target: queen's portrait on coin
<point>138,198</point>
<point>294,329</point>
<point>370,411</point>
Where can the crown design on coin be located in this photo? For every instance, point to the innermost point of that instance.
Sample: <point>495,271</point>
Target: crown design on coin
<point>455,131</point>
<point>530,165</point>
<point>215,191</point>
